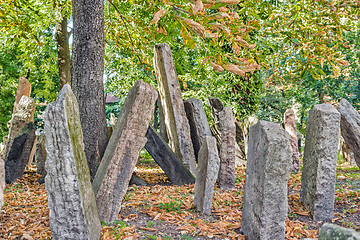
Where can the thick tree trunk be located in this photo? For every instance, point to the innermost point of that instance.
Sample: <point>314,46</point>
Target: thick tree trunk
<point>87,69</point>
<point>62,41</point>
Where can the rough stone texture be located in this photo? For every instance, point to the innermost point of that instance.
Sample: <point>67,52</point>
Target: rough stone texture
<point>167,160</point>
<point>319,164</point>
<point>2,181</point>
<point>268,170</point>
<point>24,114</point>
<point>113,176</point>
<point>71,199</point>
<point>19,153</point>
<point>208,170</point>
<point>41,155</point>
<point>24,89</point>
<point>177,125</point>
<point>290,127</point>
<point>199,126</point>
<point>227,149</point>
<point>350,127</point>
<point>334,232</point>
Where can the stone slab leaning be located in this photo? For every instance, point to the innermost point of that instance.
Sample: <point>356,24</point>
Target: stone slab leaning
<point>177,125</point>
<point>350,128</point>
<point>290,127</point>
<point>72,206</point>
<point>318,178</point>
<point>267,172</point>
<point>207,172</point>
<point>114,173</point>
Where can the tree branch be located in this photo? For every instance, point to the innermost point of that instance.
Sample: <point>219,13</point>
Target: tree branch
<point>131,40</point>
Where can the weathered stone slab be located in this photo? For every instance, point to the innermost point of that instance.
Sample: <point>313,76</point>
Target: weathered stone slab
<point>2,181</point>
<point>290,127</point>
<point>24,114</point>
<point>199,126</point>
<point>319,164</point>
<point>167,160</point>
<point>23,89</point>
<point>267,172</point>
<point>113,176</point>
<point>72,206</point>
<point>41,155</point>
<point>350,127</point>
<point>330,231</point>
<point>208,170</point>
<point>19,153</point>
<point>177,125</point>
<point>227,149</point>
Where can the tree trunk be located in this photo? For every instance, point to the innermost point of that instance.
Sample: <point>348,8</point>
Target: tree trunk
<point>62,41</point>
<point>87,69</point>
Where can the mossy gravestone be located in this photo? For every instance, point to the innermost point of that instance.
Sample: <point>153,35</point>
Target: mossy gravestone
<point>73,213</point>
<point>113,176</point>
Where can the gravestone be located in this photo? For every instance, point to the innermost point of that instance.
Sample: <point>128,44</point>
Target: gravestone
<point>330,231</point>
<point>19,153</point>
<point>199,126</point>
<point>227,149</point>
<point>167,160</point>
<point>207,172</point>
<point>23,89</point>
<point>24,114</point>
<point>2,181</point>
<point>71,200</point>
<point>267,173</point>
<point>41,155</point>
<point>177,124</point>
<point>319,163</point>
<point>350,128</point>
<point>290,127</point>
<point>113,176</point>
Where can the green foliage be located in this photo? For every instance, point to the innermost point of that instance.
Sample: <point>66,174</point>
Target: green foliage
<point>173,205</point>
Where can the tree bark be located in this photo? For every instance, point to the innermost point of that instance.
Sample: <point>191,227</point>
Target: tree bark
<point>87,69</point>
<point>62,41</point>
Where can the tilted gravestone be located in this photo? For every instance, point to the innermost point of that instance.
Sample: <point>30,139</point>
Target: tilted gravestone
<point>177,124</point>
<point>72,206</point>
<point>224,131</point>
<point>167,160</point>
<point>23,89</point>
<point>113,176</point>
<point>199,126</point>
<point>227,149</point>
<point>290,127</point>
<point>207,172</point>
<point>267,172</point>
<point>319,163</point>
<point>330,231</point>
<point>40,155</point>
<point>350,128</point>
<point>24,114</point>
<point>19,153</point>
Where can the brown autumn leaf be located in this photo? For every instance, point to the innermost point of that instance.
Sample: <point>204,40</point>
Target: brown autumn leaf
<point>251,67</point>
<point>206,59</point>
<point>198,6</point>
<point>216,67</point>
<point>197,27</point>
<point>157,16</point>
<point>236,48</point>
<point>230,1</point>
<point>243,42</point>
<point>235,69</point>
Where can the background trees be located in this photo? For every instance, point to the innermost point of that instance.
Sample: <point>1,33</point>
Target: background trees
<point>257,56</point>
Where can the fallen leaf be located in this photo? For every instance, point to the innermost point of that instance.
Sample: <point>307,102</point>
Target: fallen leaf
<point>157,16</point>
<point>198,6</point>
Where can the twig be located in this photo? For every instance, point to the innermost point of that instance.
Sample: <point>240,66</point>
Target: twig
<point>131,40</point>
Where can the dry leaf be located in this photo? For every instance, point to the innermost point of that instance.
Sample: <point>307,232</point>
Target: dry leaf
<point>198,6</point>
<point>216,67</point>
<point>235,69</point>
<point>205,60</point>
<point>157,16</point>
<point>245,43</point>
<point>230,1</point>
<point>198,28</point>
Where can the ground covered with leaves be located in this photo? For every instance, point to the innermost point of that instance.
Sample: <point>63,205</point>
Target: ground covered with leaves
<point>163,211</point>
